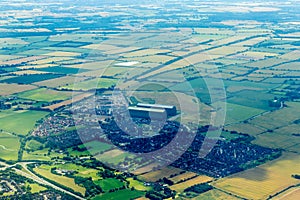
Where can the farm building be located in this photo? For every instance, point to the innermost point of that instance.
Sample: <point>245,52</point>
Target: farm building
<point>141,112</point>
<point>171,110</point>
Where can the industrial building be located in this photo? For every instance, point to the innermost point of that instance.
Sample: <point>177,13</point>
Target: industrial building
<point>171,110</point>
<point>147,113</point>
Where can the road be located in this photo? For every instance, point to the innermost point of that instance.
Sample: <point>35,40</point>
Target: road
<point>28,174</point>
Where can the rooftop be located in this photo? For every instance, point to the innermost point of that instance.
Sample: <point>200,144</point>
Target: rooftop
<point>155,105</point>
<point>146,109</point>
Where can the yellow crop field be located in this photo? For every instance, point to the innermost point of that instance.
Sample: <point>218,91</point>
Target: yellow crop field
<point>199,179</point>
<point>281,138</point>
<point>255,55</point>
<point>101,47</point>
<point>8,89</point>
<point>158,174</point>
<point>276,119</point>
<point>229,40</point>
<point>226,50</point>
<point>36,66</point>
<point>293,74</point>
<point>122,50</point>
<point>194,48</point>
<point>294,55</point>
<point>22,60</point>
<point>265,180</point>
<point>183,176</point>
<point>50,60</point>
<point>95,65</point>
<point>214,30</point>
<point>152,58</point>
<point>251,42</point>
<point>291,194</point>
<point>8,57</point>
<point>27,72</point>
<point>72,37</point>
<point>146,168</point>
<point>68,102</point>
<point>62,81</point>
<point>289,66</point>
<point>146,52</point>
<point>62,54</point>
<point>237,88</point>
<point>265,63</point>
<point>6,41</point>
<point>245,128</point>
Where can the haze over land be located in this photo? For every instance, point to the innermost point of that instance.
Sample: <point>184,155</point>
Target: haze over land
<point>222,79</point>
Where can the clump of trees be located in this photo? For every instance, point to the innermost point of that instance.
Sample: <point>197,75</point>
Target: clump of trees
<point>296,176</point>
<point>199,188</point>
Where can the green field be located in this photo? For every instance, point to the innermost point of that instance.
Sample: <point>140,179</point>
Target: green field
<point>114,156</point>
<point>68,182</point>
<point>255,99</point>
<point>33,145</point>
<point>62,70</point>
<point>41,155</point>
<point>20,122</point>
<point>92,84</point>
<point>9,146</point>
<point>82,171</point>
<point>43,94</point>
<point>97,147</point>
<point>93,147</point>
<point>138,185</point>
<point>35,188</point>
<point>31,78</point>
<point>238,113</point>
<point>121,194</point>
<point>109,183</point>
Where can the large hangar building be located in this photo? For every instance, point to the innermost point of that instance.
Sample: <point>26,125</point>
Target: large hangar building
<point>147,113</point>
<point>171,110</point>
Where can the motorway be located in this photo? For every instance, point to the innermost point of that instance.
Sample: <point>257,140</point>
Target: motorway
<point>28,174</point>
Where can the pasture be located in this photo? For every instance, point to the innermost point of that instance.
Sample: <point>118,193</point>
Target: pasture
<point>95,147</point>
<point>238,113</point>
<point>283,137</point>
<point>120,194</point>
<point>115,156</point>
<point>245,128</point>
<point>61,81</point>
<point>36,188</point>
<point>82,171</point>
<point>20,122</point>
<point>33,145</point>
<point>109,184</point>
<point>43,94</point>
<point>92,84</point>
<point>9,146</point>
<point>138,185</point>
<point>44,171</point>
<point>275,119</point>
